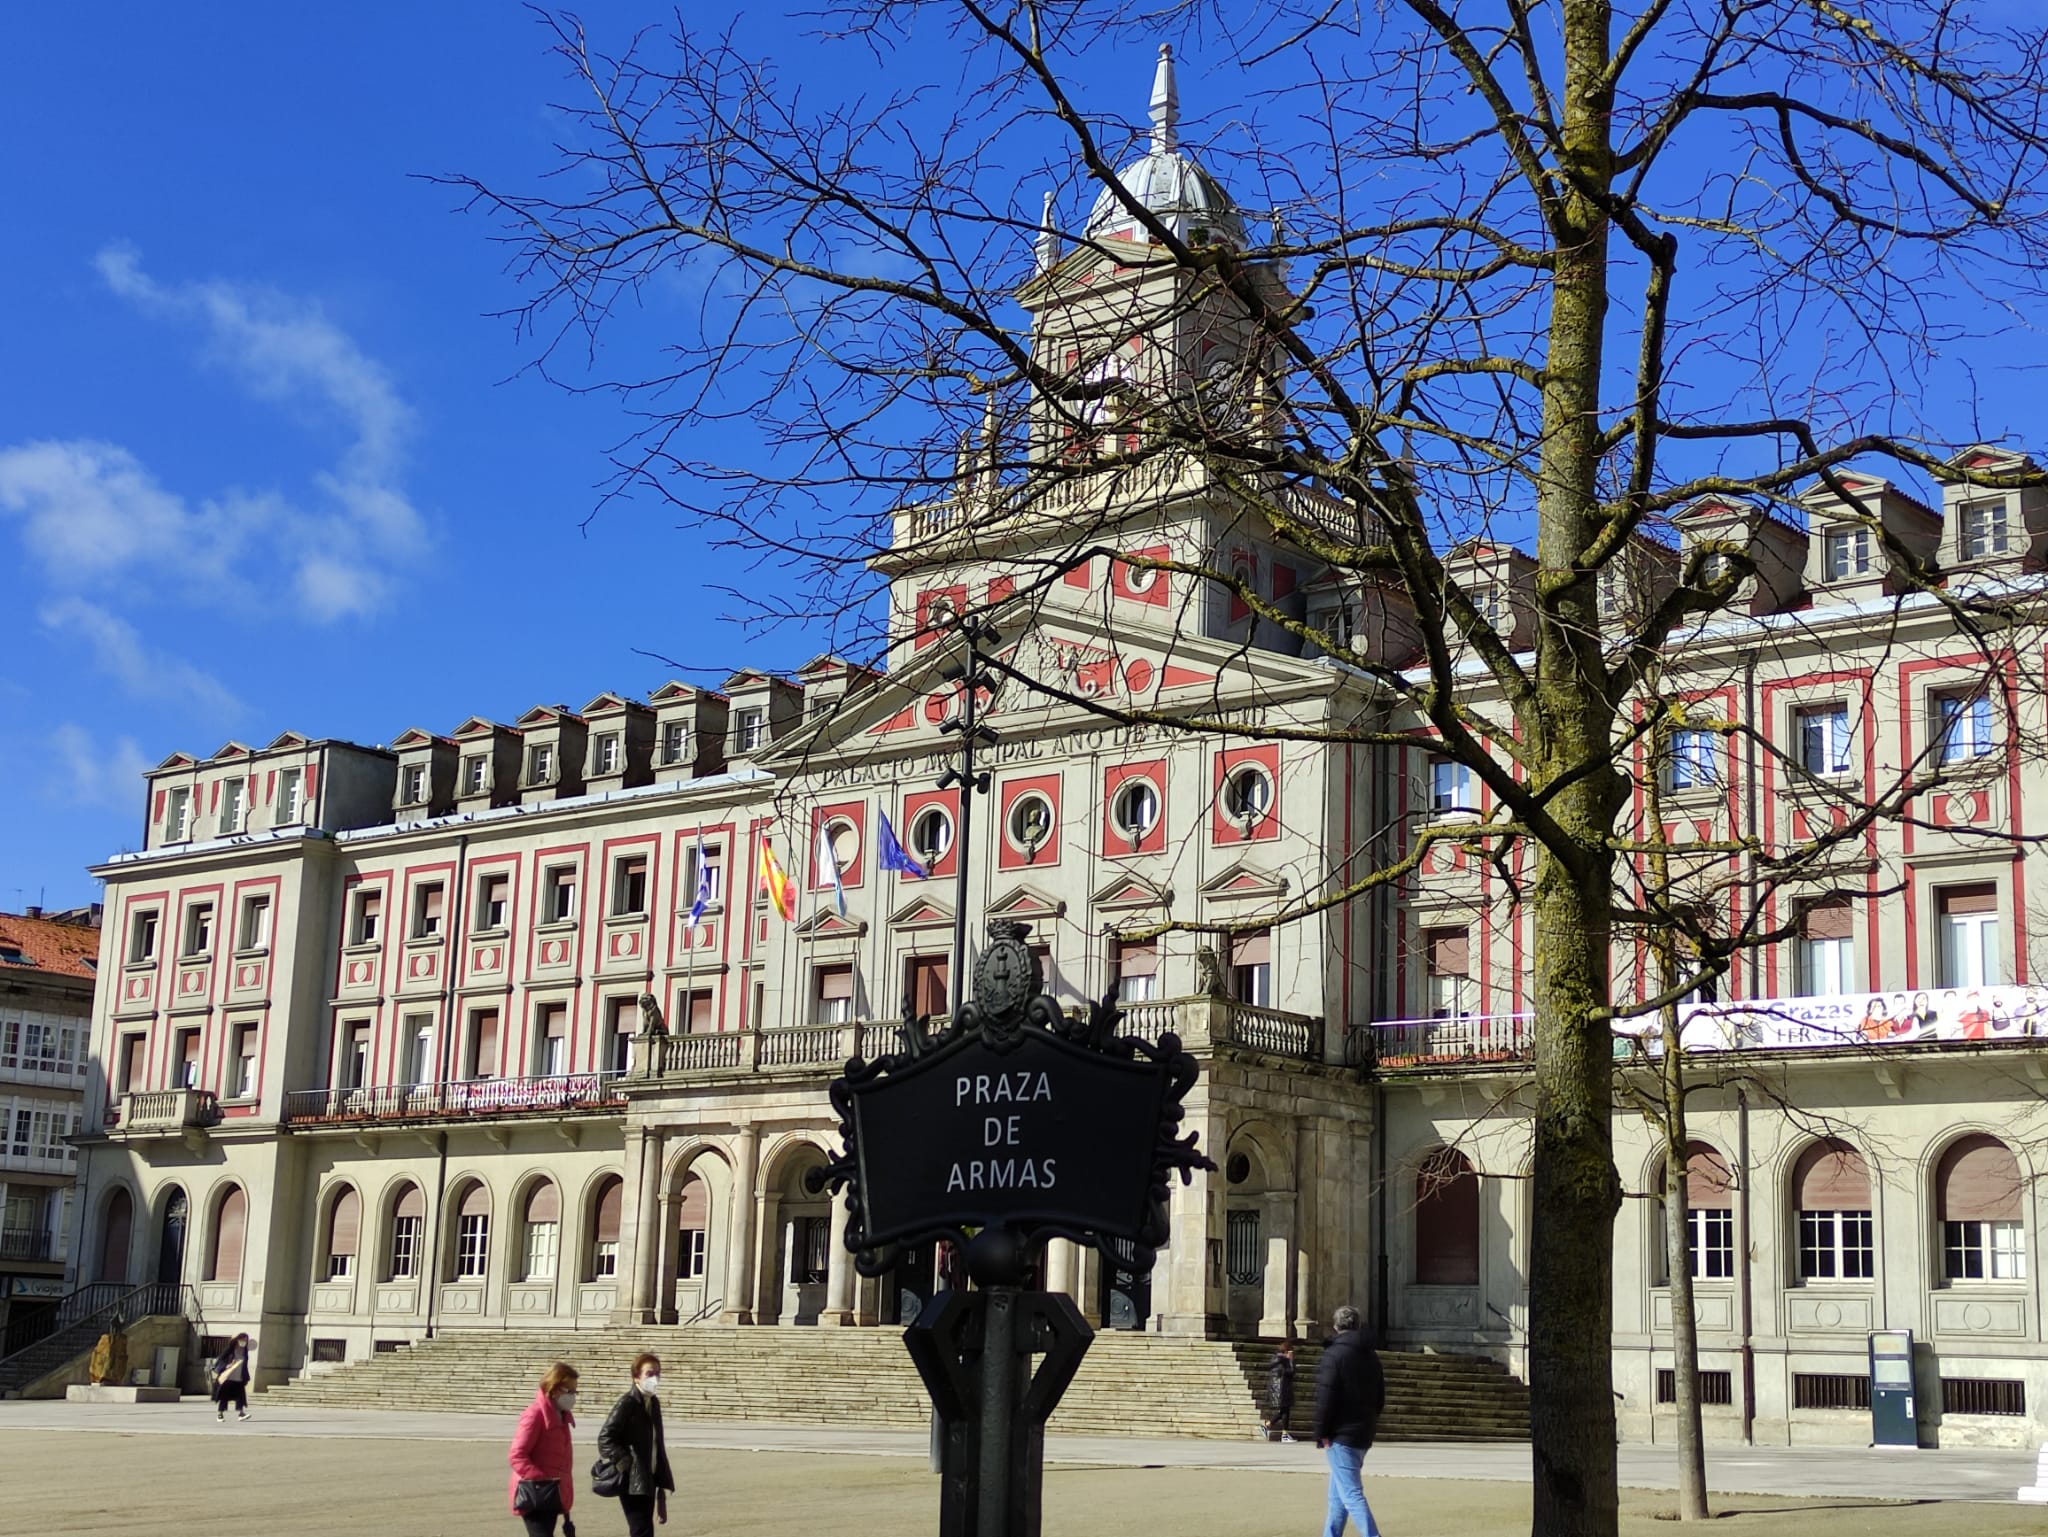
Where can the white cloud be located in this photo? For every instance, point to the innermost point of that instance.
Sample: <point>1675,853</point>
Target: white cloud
<point>120,652</point>
<point>88,774</point>
<point>93,514</point>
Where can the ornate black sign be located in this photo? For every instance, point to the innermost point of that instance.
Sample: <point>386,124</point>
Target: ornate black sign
<point>1016,1119</point>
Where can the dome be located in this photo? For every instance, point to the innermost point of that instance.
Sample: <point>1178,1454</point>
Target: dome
<point>1167,181</point>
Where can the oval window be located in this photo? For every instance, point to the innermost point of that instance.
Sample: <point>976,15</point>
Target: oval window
<point>1136,808</point>
<point>931,835</point>
<point>1247,794</point>
<point>1030,822</point>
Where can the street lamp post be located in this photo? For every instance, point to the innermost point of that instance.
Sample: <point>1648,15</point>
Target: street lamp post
<point>969,674</point>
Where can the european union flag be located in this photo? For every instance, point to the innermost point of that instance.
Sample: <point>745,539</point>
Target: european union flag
<point>889,853</point>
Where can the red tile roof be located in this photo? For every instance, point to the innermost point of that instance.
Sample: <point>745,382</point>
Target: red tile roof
<point>69,949</point>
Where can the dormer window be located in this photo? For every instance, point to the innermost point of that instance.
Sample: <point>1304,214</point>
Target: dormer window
<point>675,742</point>
<point>1847,553</point>
<point>1984,529</point>
<point>288,782</point>
<point>413,790</point>
<point>749,729</point>
<point>475,774</point>
<point>604,757</point>
<point>230,808</point>
<point>540,764</point>
<point>178,816</point>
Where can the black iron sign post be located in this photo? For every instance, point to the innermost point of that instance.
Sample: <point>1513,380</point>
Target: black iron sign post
<point>1015,1125</point>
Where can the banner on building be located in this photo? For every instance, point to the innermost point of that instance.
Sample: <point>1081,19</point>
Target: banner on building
<point>1855,1019</point>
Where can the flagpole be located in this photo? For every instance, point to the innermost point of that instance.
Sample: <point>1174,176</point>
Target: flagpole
<point>690,935</point>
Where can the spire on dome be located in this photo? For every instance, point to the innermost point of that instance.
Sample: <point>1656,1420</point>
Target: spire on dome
<point>1048,247</point>
<point>1165,104</point>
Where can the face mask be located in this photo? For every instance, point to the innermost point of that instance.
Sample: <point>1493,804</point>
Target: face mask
<point>650,1385</point>
<point>565,1402</point>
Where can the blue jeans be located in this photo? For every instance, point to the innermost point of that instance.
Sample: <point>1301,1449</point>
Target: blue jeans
<point>1347,1492</point>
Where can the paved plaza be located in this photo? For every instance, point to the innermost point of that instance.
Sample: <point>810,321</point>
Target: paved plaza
<point>94,1469</point>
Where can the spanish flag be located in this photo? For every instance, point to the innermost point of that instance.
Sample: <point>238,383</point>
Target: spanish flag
<point>776,883</point>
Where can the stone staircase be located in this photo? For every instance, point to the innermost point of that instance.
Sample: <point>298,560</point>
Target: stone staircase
<point>1130,1384</point>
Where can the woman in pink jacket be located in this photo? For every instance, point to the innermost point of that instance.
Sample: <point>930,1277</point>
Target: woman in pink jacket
<point>542,1455</point>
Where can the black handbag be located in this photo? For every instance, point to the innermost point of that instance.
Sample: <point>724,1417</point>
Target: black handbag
<point>607,1478</point>
<point>537,1497</point>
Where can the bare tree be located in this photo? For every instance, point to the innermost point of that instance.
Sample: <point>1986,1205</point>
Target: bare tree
<point>1557,269</point>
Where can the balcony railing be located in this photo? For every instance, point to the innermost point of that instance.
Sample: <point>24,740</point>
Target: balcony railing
<point>1472,1038</point>
<point>27,1244</point>
<point>481,1097</point>
<point>168,1110</point>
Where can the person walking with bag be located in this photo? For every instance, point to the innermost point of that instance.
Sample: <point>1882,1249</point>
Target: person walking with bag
<point>633,1454</point>
<point>1279,1395</point>
<point>230,1375</point>
<point>1350,1392</point>
<point>543,1455</point>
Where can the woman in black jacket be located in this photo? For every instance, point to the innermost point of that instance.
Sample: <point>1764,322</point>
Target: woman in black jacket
<point>231,1379</point>
<point>631,1437</point>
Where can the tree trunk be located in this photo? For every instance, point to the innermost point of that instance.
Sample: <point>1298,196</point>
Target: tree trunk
<point>1685,1339</point>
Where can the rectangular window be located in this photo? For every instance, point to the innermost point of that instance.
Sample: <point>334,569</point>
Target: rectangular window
<point>367,918</point>
<point>604,759</point>
<point>1244,1256</point>
<point>134,1054</point>
<point>1983,529</point>
<point>540,764</point>
<point>832,995</point>
<point>749,729</point>
<point>619,1025</point>
<point>551,1040</point>
<point>355,1056</point>
<point>604,1260</point>
<point>1715,1387</point>
<point>1847,552</point>
<point>288,784</point>
<point>1963,726</point>
<point>1983,1251</point>
<point>1450,788</point>
<point>142,937</point>
<point>558,895</point>
<point>675,742</point>
<point>483,1044</point>
<point>711,874</point>
<point>1695,760</point>
<point>1823,957</point>
<point>415,781</point>
<point>1449,977</point>
<point>1830,1390</point>
<point>1136,968</point>
<point>1824,739</point>
<point>230,807</point>
<point>188,1059</point>
<point>1970,952</point>
<point>253,928</point>
<point>472,1246</point>
<point>419,1049</point>
<point>428,905</point>
<point>1835,1246</point>
<point>491,898</point>
<point>1251,968</point>
<point>809,1250</point>
<point>1984,1395</point>
<point>926,979</point>
<point>178,818</point>
<point>698,1018</point>
<point>476,774</point>
<point>243,1084</point>
<point>198,929</point>
<point>541,1241</point>
<point>696,1247</point>
<point>405,1248</point>
<point>1710,1242</point>
<point>629,887</point>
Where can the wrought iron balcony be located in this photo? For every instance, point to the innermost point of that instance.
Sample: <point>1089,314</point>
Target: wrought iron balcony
<point>25,1244</point>
<point>168,1111</point>
<point>473,1098</point>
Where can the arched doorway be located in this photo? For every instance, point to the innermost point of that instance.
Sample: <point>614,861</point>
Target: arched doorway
<point>170,1252</point>
<point>116,1233</point>
<point>802,1246</point>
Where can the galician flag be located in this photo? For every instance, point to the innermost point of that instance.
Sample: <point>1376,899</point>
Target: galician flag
<point>889,854</point>
<point>703,898</point>
<point>776,883</point>
<point>828,867</point>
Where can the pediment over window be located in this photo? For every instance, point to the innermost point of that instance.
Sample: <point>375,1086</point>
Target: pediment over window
<point>177,760</point>
<point>1026,902</point>
<point>922,913</point>
<point>476,725</point>
<point>1128,892</point>
<point>1244,881</point>
<point>827,924</point>
<point>230,750</point>
<point>413,736</point>
<point>545,715</point>
<point>289,739</point>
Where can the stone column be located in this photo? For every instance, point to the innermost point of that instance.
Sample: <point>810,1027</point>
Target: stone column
<point>1060,1266</point>
<point>1194,1300</point>
<point>739,1236</point>
<point>643,1184</point>
<point>1277,1223</point>
<point>838,1271</point>
<point>769,1258</point>
<point>664,1301</point>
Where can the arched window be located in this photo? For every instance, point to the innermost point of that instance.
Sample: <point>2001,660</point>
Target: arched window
<point>1446,1220</point>
<point>230,1225</point>
<point>170,1249</point>
<point>344,1234</point>
<point>1832,1188</point>
<point>1983,1228</point>
<point>1709,1216</point>
<point>408,1219</point>
<point>604,1235</point>
<point>116,1233</point>
<point>472,1233</point>
<point>542,1223</point>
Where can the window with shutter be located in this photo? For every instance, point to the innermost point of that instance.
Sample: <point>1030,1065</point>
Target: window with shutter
<point>1832,1187</point>
<point>408,1218</point>
<point>1979,1194</point>
<point>344,1227</point>
<point>1137,970</point>
<point>604,1255</point>
<point>229,1225</point>
<point>1446,1220</point>
<point>1251,968</point>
